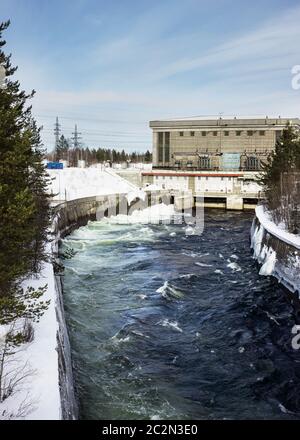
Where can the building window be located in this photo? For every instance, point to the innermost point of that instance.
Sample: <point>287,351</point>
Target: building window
<point>250,133</point>
<point>167,146</point>
<point>226,133</point>
<point>252,163</point>
<point>160,147</point>
<point>215,133</point>
<point>278,135</point>
<point>181,133</point>
<point>203,133</point>
<point>262,133</point>
<point>238,133</point>
<point>192,133</point>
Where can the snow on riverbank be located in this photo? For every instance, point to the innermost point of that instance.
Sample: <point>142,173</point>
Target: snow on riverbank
<point>265,220</point>
<point>76,183</point>
<point>37,396</point>
<point>285,267</point>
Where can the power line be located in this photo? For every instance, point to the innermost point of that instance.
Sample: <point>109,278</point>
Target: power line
<point>93,119</point>
<point>105,133</point>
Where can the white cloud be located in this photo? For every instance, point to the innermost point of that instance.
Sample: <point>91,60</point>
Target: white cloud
<point>278,37</point>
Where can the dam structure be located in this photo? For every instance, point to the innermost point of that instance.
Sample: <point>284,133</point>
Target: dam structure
<point>218,159</point>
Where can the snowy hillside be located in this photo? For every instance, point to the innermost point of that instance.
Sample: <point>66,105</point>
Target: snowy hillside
<point>75,183</point>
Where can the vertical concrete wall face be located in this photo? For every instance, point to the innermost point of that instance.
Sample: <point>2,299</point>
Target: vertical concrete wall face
<point>234,203</point>
<point>69,406</point>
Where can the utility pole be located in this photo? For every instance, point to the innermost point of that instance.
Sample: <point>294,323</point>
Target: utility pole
<point>56,132</point>
<point>76,140</point>
<point>76,137</point>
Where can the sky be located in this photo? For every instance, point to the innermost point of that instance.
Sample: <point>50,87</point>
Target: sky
<point>111,67</point>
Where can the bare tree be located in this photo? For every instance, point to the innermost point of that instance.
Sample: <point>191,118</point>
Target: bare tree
<point>14,372</point>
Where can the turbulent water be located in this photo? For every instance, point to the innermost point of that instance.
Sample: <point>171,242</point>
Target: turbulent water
<point>169,326</point>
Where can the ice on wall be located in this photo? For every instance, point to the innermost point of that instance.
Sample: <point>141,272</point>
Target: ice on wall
<point>256,242</point>
<point>261,252</point>
<point>268,255</point>
<point>287,270</point>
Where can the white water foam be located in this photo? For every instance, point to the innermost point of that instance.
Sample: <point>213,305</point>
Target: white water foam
<point>168,291</point>
<point>171,324</point>
<point>203,264</point>
<point>151,215</point>
<point>234,266</point>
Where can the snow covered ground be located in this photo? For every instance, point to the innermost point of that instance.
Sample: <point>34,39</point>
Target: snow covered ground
<point>76,183</point>
<point>278,231</point>
<point>37,396</point>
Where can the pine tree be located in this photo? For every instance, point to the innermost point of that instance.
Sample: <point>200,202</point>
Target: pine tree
<point>276,179</point>
<point>24,207</point>
<point>148,156</point>
<point>62,148</point>
<point>123,156</point>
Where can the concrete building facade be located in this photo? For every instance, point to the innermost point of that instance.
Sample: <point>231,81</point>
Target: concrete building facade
<point>217,160</point>
<point>216,144</point>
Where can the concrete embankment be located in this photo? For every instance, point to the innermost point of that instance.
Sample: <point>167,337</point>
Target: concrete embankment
<point>277,251</point>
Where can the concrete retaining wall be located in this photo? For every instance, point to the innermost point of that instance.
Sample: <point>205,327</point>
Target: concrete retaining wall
<point>282,259</point>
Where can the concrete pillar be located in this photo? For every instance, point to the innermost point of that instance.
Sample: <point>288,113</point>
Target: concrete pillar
<point>183,201</point>
<point>154,149</point>
<point>234,202</point>
<point>192,183</point>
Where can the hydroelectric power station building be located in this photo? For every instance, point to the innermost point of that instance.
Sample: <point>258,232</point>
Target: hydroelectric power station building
<point>218,157</point>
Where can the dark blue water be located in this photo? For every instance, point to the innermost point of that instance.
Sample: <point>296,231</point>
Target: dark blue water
<point>165,326</point>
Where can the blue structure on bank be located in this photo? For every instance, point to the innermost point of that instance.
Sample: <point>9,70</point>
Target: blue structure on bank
<point>55,166</point>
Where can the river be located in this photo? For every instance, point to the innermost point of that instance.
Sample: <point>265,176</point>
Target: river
<point>165,325</point>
